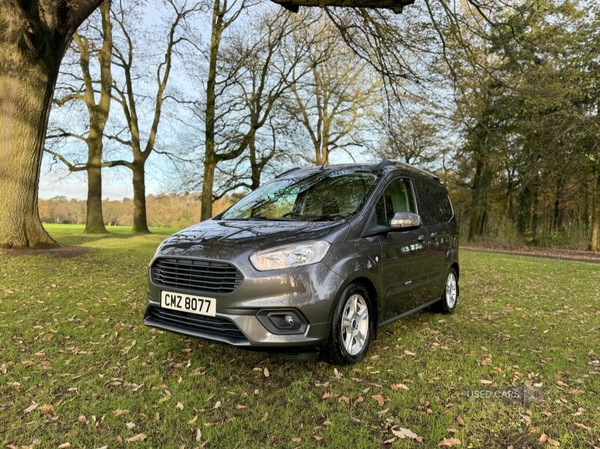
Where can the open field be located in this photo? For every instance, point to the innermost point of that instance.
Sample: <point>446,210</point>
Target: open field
<point>79,369</point>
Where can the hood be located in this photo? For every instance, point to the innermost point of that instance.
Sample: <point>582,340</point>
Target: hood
<point>224,239</point>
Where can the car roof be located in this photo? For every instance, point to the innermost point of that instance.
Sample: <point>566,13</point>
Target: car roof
<point>384,166</point>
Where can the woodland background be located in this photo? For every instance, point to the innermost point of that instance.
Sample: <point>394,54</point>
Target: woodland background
<point>500,99</point>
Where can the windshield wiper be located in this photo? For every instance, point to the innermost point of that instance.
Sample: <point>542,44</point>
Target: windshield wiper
<point>329,217</point>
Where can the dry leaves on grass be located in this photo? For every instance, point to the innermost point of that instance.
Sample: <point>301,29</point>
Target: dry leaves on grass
<point>379,398</point>
<point>136,438</point>
<point>31,408</point>
<point>405,433</point>
<point>450,442</point>
<point>47,409</point>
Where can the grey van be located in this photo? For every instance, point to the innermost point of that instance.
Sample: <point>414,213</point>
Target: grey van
<point>318,258</point>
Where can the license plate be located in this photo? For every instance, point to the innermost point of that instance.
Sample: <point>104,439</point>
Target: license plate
<point>188,303</point>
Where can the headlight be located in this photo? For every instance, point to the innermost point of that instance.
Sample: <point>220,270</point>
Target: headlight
<point>288,256</point>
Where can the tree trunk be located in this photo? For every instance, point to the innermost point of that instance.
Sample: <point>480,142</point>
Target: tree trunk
<point>595,238</point>
<point>94,219</point>
<point>210,161</point>
<point>479,204</point>
<point>33,39</point>
<point>207,189</point>
<point>98,117</point>
<point>140,221</point>
<point>26,90</point>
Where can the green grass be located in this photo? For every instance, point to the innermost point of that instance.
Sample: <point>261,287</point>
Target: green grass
<point>72,336</point>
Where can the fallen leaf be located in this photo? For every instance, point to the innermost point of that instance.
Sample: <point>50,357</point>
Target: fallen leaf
<point>390,441</point>
<point>581,426</point>
<point>136,438</point>
<point>240,406</point>
<point>379,398</point>
<point>198,434</point>
<point>547,414</point>
<point>296,439</point>
<point>64,446</point>
<point>543,438</point>
<point>130,425</point>
<point>217,405</point>
<point>266,372</point>
<point>560,383</point>
<point>405,433</point>
<point>384,411</point>
<point>359,400</point>
<point>552,442</point>
<point>330,395</point>
<point>410,353</point>
<point>192,421</point>
<point>82,418</point>
<point>317,437</point>
<point>3,368</point>
<point>120,412</point>
<point>31,408</point>
<point>485,382</point>
<point>265,416</point>
<point>179,406</point>
<point>399,387</point>
<point>460,421</point>
<point>346,399</point>
<point>47,409</point>
<point>450,442</point>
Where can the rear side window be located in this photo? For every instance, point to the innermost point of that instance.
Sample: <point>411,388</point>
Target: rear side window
<point>434,203</point>
<point>398,197</point>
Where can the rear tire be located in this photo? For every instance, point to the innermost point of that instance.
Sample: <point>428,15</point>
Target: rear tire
<point>351,327</point>
<point>447,304</point>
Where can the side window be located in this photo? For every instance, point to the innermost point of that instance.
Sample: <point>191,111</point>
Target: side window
<point>398,197</point>
<point>434,203</point>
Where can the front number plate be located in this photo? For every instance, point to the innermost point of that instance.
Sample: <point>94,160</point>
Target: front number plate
<point>188,303</point>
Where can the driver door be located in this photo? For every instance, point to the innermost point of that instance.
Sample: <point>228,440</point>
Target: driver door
<point>405,254</point>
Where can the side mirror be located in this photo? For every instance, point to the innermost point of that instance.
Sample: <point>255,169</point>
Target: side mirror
<point>405,220</point>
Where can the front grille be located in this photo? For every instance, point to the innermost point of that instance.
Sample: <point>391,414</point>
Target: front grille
<point>200,276</point>
<point>197,323</point>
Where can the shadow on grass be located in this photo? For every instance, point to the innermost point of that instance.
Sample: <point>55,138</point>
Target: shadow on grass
<point>73,235</point>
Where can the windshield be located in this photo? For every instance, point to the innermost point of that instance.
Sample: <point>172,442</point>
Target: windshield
<point>316,196</point>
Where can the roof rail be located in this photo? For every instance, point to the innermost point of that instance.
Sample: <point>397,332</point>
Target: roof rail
<point>384,163</point>
<point>286,172</point>
<point>387,163</point>
<point>419,169</point>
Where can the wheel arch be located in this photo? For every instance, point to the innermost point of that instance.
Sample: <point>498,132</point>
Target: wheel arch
<point>369,285</point>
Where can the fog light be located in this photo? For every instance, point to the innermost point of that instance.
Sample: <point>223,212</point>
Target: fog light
<point>282,322</point>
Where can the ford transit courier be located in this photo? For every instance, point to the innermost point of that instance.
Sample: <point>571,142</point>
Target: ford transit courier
<point>317,258</point>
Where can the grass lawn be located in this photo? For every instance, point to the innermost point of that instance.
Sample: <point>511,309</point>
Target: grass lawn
<point>79,369</point>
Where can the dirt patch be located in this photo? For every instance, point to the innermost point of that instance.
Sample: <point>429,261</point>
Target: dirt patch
<point>60,252</point>
<point>546,253</point>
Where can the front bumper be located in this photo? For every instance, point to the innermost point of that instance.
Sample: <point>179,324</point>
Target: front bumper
<point>310,290</point>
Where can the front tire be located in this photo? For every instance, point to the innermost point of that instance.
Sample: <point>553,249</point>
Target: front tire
<point>351,327</point>
<point>447,304</point>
